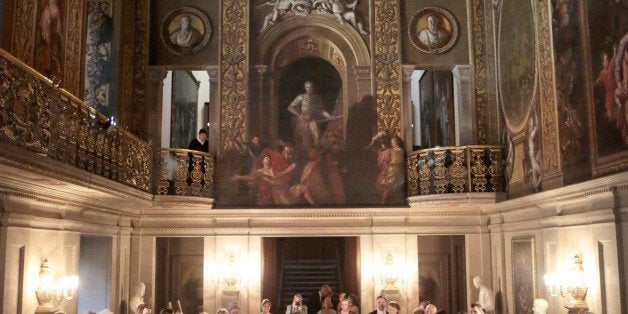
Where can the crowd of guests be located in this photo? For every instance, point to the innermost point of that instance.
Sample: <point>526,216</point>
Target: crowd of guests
<point>324,301</point>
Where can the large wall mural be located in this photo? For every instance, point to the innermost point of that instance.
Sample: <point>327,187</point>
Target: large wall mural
<point>312,136</point>
<point>608,55</point>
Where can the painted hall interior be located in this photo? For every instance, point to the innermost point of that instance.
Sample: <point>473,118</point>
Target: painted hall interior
<point>537,85</point>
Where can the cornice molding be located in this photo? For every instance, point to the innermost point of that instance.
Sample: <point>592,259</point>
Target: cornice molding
<point>24,170</point>
<point>50,223</point>
<point>605,187</point>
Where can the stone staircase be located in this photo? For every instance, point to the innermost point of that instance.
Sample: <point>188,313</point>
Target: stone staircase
<point>306,276</point>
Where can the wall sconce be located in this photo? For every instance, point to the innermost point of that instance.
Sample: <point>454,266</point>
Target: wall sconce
<point>230,273</point>
<point>570,283</point>
<point>390,273</point>
<point>50,293</point>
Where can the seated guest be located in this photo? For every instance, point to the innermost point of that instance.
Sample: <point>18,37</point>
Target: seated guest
<point>381,305</point>
<point>476,308</point>
<point>353,301</point>
<point>431,309</point>
<point>265,306</point>
<point>341,296</point>
<point>327,306</point>
<point>315,302</point>
<point>344,307</point>
<point>222,311</point>
<point>297,306</point>
<point>144,309</point>
<point>393,307</point>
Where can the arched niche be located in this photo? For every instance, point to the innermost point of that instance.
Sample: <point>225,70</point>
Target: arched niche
<point>295,38</point>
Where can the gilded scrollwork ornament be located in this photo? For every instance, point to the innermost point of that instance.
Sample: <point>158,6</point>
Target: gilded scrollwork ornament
<point>388,66</point>
<point>234,72</point>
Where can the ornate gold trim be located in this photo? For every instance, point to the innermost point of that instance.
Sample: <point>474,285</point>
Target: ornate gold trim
<point>549,115</point>
<point>24,29</point>
<point>479,71</point>
<point>137,122</point>
<point>73,48</point>
<point>388,66</point>
<point>234,72</point>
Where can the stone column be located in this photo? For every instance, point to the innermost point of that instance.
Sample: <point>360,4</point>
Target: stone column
<point>463,106</point>
<point>262,94</point>
<point>363,85</point>
<point>214,110</point>
<point>406,106</point>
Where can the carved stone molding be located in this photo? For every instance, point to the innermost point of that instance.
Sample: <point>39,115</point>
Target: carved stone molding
<point>234,72</point>
<point>214,73</point>
<point>23,43</point>
<point>461,72</point>
<point>362,72</point>
<point>314,47</point>
<point>407,70</point>
<point>388,65</point>
<point>29,221</point>
<point>549,116</point>
<point>479,70</point>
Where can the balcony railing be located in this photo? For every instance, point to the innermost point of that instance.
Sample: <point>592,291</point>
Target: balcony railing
<point>456,170</point>
<point>185,172</point>
<point>37,115</point>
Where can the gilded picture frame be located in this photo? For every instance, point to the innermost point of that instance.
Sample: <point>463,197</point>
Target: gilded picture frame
<point>186,30</point>
<point>523,258</point>
<point>434,30</point>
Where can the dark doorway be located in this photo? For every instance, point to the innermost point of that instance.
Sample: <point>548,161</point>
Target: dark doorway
<point>179,273</point>
<point>332,260</point>
<point>442,272</point>
<point>327,84</point>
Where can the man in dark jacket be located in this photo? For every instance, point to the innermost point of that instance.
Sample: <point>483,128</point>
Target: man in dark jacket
<point>381,305</point>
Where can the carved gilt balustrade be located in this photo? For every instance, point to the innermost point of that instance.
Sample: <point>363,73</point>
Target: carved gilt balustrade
<point>461,169</point>
<point>185,172</point>
<point>36,114</point>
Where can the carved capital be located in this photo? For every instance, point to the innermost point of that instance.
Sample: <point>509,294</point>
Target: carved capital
<point>462,72</point>
<point>262,70</point>
<point>362,72</point>
<point>214,73</point>
<point>407,70</point>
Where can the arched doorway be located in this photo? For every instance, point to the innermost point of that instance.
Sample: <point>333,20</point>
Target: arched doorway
<point>327,84</point>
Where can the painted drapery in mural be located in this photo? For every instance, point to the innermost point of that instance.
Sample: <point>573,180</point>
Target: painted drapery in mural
<point>98,67</point>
